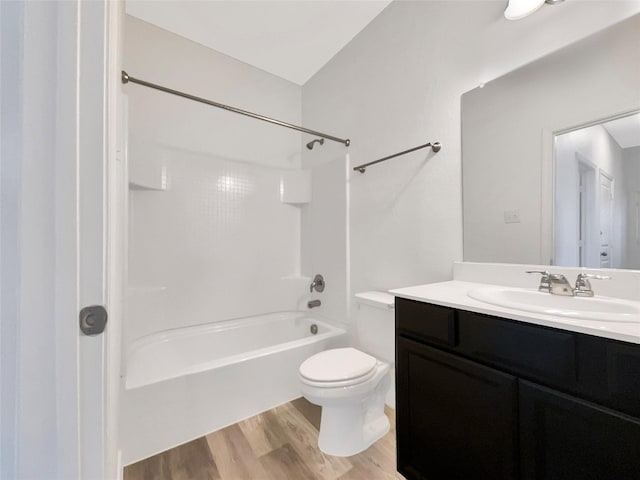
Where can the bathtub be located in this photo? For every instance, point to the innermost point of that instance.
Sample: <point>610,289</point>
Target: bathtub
<point>184,383</point>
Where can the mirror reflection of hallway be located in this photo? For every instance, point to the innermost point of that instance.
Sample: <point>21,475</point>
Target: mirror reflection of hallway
<point>587,195</point>
<point>597,177</point>
<point>605,210</point>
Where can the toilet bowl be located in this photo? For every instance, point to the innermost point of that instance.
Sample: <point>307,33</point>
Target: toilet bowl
<point>350,386</point>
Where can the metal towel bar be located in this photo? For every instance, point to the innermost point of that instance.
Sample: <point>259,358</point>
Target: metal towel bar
<point>435,146</point>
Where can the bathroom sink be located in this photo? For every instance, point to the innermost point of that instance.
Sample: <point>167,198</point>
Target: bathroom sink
<point>604,309</point>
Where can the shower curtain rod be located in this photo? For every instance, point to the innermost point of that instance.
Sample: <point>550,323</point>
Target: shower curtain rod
<point>126,78</point>
<point>435,146</point>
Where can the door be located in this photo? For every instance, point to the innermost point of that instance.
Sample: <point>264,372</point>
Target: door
<point>565,438</point>
<point>605,207</point>
<point>583,220</point>
<point>456,419</point>
<point>588,243</point>
<point>58,157</point>
<point>86,136</point>
<point>92,233</point>
<point>635,208</point>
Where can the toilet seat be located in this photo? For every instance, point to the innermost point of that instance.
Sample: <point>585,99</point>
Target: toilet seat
<point>338,367</point>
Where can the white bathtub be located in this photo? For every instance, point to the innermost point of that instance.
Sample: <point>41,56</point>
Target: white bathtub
<point>181,384</point>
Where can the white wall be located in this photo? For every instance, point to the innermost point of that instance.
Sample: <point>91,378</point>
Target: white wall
<point>325,222</point>
<point>595,146</point>
<point>52,113</point>
<point>38,410</point>
<point>37,234</point>
<point>11,32</point>
<point>28,236</point>
<point>217,243</point>
<point>397,85</point>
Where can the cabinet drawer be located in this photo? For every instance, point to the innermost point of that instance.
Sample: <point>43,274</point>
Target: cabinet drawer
<point>429,323</point>
<point>536,352</point>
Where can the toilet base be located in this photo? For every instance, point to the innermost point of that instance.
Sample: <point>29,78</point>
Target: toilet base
<point>344,431</point>
<point>353,416</point>
<point>351,428</point>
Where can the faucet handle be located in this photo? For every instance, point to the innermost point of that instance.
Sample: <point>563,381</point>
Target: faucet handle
<point>317,284</point>
<point>545,281</point>
<point>544,273</point>
<point>591,275</point>
<point>583,285</point>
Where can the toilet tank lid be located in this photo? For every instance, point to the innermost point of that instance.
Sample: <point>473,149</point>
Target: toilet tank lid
<point>376,299</point>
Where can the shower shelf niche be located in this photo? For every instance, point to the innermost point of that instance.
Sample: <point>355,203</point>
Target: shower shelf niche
<point>147,166</point>
<point>146,187</point>
<point>150,178</point>
<point>295,186</point>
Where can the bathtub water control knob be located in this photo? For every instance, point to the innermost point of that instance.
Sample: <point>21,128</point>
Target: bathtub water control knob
<point>317,284</point>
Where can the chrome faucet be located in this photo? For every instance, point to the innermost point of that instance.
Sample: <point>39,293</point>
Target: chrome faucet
<point>554,283</point>
<point>559,285</point>
<point>583,285</point>
<point>317,284</point>
<point>544,280</point>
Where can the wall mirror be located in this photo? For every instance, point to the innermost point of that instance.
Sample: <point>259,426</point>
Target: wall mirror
<point>551,157</point>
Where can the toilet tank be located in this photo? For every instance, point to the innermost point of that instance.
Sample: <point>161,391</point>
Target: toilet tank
<point>375,324</point>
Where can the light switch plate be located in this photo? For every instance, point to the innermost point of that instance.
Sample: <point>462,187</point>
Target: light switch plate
<point>512,216</point>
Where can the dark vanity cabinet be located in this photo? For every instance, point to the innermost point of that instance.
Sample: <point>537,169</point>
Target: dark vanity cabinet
<point>453,415</point>
<point>480,397</point>
<point>564,437</point>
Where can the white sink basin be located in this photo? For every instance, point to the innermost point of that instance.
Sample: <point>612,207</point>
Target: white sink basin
<point>603,309</point>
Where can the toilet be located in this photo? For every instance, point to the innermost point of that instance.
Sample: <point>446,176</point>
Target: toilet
<point>350,385</point>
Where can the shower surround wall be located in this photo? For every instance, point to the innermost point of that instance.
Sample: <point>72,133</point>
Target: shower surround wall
<point>209,238</point>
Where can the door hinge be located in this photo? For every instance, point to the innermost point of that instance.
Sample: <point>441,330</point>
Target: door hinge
<point>93,319</point>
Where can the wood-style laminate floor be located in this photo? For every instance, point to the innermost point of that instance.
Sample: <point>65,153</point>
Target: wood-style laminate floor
<point>281,444</point>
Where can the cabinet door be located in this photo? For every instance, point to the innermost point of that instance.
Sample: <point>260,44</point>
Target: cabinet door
<point>455,419</point>
<point>565,438</point>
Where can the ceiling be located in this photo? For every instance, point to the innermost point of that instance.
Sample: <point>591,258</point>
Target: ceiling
<point>625,130</point>
<point>292,39</point>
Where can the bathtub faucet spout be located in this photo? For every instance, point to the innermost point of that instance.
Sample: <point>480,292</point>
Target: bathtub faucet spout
<point>313,303</point>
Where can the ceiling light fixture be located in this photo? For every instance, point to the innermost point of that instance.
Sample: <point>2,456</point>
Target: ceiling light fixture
<point>517,9</point>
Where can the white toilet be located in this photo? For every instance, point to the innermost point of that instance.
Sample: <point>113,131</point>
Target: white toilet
<point>350,385</point>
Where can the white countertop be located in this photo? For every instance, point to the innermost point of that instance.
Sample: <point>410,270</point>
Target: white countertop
<point>454,294</point>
